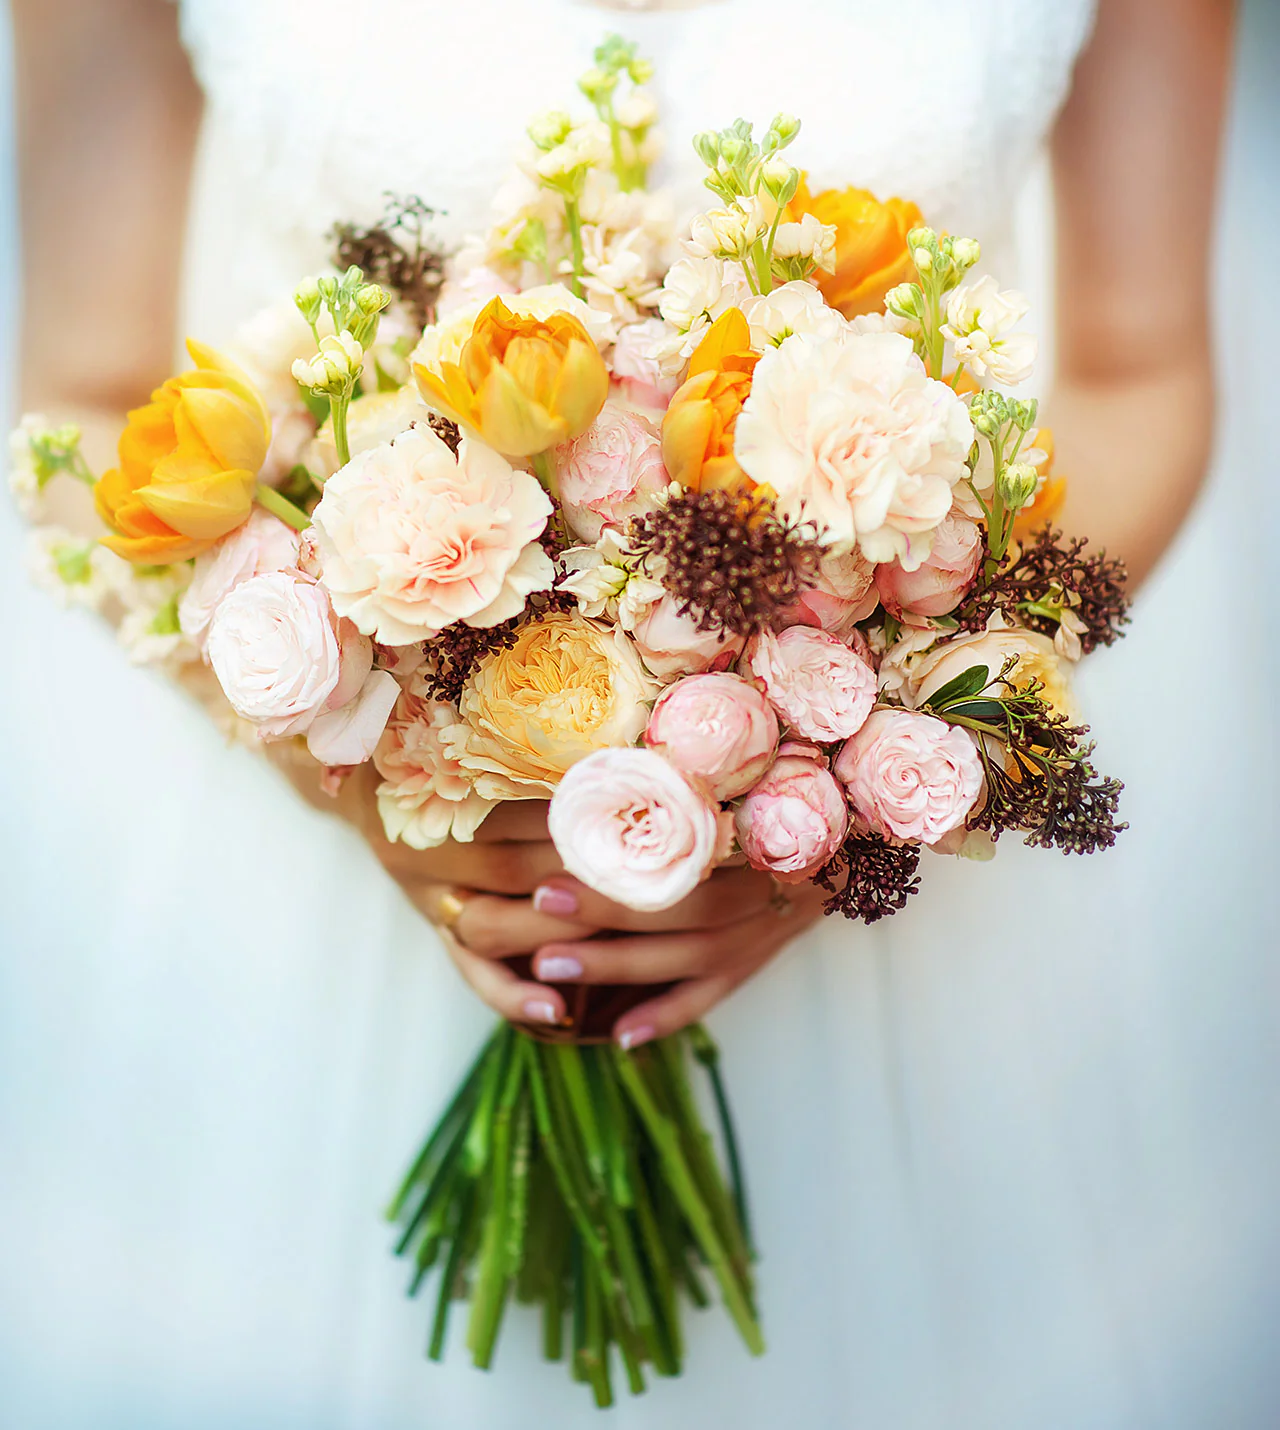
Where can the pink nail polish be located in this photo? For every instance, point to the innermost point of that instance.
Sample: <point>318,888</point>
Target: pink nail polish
<point>633,1037</point>
<point>538,1010</point>
<point>558,968</point>
<point>551,899</point>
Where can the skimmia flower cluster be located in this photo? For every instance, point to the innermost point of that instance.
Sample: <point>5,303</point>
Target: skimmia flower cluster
<point>737,543</point>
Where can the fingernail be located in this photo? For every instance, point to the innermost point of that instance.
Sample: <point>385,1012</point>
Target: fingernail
<point>559,968</point>
<point>633,1037</point>
<point>538,1010</point>
<point>551,899</point>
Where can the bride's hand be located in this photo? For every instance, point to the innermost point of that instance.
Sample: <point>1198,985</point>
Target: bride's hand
<point>507,894</point>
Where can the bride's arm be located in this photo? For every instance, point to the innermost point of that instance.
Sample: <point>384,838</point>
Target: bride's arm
<point>1135,166</point>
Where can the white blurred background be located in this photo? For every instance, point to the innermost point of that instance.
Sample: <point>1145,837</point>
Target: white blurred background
<point>1167,1117</point>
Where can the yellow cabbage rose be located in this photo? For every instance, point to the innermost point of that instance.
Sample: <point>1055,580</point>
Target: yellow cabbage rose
<point>698,427</point>
<point>189,460</point>
<point>524,384</point>
<point>565,688</point>
<point>871,244</point>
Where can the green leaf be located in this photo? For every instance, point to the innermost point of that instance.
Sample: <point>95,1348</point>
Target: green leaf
<point>965,685</point>
<point>991,712</point>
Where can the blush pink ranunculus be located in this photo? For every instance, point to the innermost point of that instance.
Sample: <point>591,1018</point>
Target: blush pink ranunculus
<point>671,644</point>
<point>262,544</point>
<point>821,687</point>
<point>629,825</point>
<point>612,472</point>
<point>287,663</point>
<point>910,776</point>
<point>716,728</point>
<point>794,820</point>
<point>412,539</point>
<point>842,594</point>
<point>948,571</point>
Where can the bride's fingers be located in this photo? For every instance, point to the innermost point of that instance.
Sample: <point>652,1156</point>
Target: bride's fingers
<point>686,1003</point>
<point>509,867</point>
<point>495,927</point>
<point>654,958</point>
<point>516,999</point>
<point>724,898</point>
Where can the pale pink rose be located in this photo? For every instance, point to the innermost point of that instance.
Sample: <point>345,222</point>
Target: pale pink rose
<point>262,544</point>
<point>282,656</point>
<point>794,820</point>
<point>910,776</point>
<point>842,594</point>
<point>612,472</point>
<point>854,436</point>
<point>948,571</point>
<point>411,539</point>
<point>630,826</point>
<point>425,796</point>
<point>637,367</point>
<point>671,644</point>
<point>718,729</point>
<point>349,734</point>
<point>821,687</point>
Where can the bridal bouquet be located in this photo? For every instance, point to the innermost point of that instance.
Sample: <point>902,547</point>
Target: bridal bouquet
<point>733,548</point>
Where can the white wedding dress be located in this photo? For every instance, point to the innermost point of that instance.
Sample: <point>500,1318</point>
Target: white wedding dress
<point>977,1160</point>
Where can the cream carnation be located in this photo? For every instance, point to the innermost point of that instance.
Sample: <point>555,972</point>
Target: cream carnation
<point>855,437</point>
<point>821,687</point>
<point>910,776</point>
<point>565,688</point>
<point>411,539</point>
<point>612,472</point>
<point>629,825</point>
<point>425,796</point>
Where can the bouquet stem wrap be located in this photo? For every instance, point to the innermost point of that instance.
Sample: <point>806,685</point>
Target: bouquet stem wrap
<point>581,1179</point>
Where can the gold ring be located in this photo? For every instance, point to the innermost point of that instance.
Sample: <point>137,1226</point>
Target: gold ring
<point>449,906</point>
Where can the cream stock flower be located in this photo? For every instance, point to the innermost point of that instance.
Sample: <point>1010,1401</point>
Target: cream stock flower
<point>856,438</point>
<point>425,796</point>
<point>411,539</point>
<point>809,238</point>
<point>531,711</point>
<point>789,309</point>
<point>979,316</point>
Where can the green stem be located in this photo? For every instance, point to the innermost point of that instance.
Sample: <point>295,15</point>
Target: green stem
<point>272,501</point>
<point>573,218</point>
<point>338,417</point>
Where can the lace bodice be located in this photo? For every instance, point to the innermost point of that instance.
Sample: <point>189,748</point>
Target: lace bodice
<point>317,107</point>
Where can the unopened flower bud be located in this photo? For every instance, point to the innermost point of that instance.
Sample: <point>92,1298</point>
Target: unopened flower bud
<point>1018,485</point>
<point>986,423</point>
<point>372,299</point>
<point>598,84</point>
<point>707,147</point>
<point>780,180</point>
<point>905,301</point>
<point>1024,413</point>
<point>965,251</point>
<point>922,258</point>
<point>733,149</point>
<point>307,297</point>
<point>786,127</point>
<point>550,129</point>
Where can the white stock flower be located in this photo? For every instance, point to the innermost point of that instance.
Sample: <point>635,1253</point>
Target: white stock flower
<point>694,294</point>
<point>808,239</point>
<point>730,231</point>
<point>979,316</point>
<point>24,479</point>
<point>857,438</point>
<point>584,147</point>
<point>74,570</point>
<point>606,582</point>
<point>636,110</point>
<point>151,629</point>
<point>339,359</point>
<point>619,274</point>
<point>790,309</point>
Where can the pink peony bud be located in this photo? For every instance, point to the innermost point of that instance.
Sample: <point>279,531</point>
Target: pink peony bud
<point>794,820</point>
<point>612,472</point>
<point>671,644</point>
<point>718,729</point>
<point>842,594</point>
<point>633,828</point>
<point>820,687</point>
<point>938,585</point>
<point>910,776</point>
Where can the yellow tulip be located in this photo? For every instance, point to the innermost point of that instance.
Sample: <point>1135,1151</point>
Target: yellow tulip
<point>189,461</point>
<point>698,428</point>
<point>523,384</point>
<point>871,244</point>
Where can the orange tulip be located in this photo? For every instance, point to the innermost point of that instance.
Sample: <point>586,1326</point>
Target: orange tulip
<point>698,428</point>
<point>524,384</point>
<point>1049,498</point>
<point>871,244</point>
<point>189,461</point>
